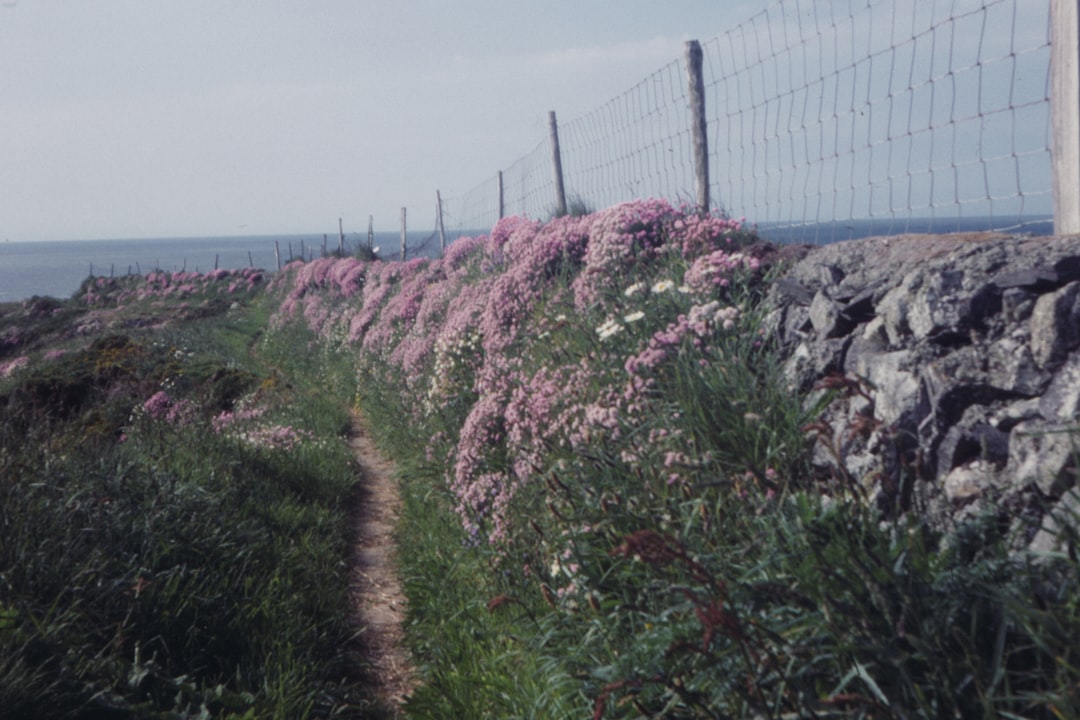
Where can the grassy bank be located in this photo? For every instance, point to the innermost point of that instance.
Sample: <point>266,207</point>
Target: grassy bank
<point>173,496</point>
<point>609,509</point>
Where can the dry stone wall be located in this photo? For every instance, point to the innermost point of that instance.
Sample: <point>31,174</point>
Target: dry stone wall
<point>953,362</point>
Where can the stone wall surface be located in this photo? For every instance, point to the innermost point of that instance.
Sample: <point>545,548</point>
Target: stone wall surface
<point>953,362</point>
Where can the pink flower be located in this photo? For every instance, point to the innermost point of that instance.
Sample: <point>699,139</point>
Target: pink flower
<point>157,405</point>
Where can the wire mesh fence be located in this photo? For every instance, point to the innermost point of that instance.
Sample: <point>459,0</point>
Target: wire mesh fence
<point>911,111</point>
<point>916,115</point>
<point>636,145</point>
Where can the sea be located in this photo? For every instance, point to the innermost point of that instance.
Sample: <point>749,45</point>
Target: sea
<point>58,268</point>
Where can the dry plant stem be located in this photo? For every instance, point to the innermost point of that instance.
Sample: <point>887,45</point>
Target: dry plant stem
<point>378,601</point>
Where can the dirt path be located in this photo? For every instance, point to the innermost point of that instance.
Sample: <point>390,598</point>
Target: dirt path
<point>378,601</point>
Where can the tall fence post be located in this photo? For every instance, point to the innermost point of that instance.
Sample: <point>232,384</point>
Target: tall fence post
<point>439,221</point>
<point>1065,113</point>
<point>502,201</point>
<point>403,234</point>
<point>370,231</point>
<point>698,127</point>
<point>340,238</point>
<point>556,166</point>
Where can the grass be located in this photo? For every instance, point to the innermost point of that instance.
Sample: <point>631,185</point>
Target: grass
<point>155,564</point>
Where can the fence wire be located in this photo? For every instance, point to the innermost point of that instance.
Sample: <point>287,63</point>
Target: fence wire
<point>636,145</point>
<point>907,110</point>
<point>922,114</point>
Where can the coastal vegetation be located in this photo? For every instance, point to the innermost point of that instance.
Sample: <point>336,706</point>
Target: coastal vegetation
<point>173,498</point>
<point>609,504</point>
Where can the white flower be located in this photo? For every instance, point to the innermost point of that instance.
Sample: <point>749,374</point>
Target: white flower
<point>609,328</point>
<point>634,316</point>
<point>634,289</point>
<point>663,286</point>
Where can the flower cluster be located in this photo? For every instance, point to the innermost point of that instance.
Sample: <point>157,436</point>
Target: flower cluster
<point>244,423</point>
<point>483,344</point>
<point>119,291</point>
<point>10,367</point>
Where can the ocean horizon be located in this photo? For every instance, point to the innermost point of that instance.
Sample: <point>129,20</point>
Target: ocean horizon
<point>57,268</point>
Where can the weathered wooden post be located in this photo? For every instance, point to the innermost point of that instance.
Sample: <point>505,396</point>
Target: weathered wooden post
<point>439,221</point>
<point>370,231</point>
<point>502,201</point>
<point>277,255</point>
<point>1065,113</point>
<point>341,238</point>
<point>556,166</point>
<point>403,234</point>
<point>698,127</point>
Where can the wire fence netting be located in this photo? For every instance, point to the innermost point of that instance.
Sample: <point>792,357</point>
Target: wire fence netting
<point>917,115</point>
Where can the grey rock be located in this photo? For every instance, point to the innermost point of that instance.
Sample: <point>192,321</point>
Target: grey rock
<point>979,441</point>
<point>1060,527</point>
<point>1055,325</point>
<point>827,318</point>
<point>970,481</point>
<point>792,290</point>
<point>895,386</point>
<point>1061,401</point>
<point>1011,367</point>
<point>1017,304</point>
<point>1043,454</point>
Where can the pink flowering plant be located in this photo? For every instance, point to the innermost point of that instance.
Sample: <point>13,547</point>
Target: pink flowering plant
<point>609,506</point>
<point>487,342</point>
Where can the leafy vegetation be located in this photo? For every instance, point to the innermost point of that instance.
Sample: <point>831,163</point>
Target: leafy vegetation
<point>608,504</point>
<point>173,502</point>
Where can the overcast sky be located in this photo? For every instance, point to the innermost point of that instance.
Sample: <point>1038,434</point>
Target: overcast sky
<point>128,118</point>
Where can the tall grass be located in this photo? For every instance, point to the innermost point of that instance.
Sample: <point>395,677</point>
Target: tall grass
<point>173,525</point>
<point>608,506</point>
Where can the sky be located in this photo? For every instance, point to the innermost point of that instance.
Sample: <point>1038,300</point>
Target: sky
<point>137,119</point>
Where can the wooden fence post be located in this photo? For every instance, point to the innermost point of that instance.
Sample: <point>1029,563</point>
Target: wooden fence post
<point>439,220</point>
<point>698,127</point>
<point>340,238</point>
<point>403,234</point>
<point>556,166</point>
<point>502,200</point>
<point>370,231</point>
<point>1065,114</point>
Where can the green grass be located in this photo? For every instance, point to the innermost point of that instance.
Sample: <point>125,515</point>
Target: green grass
<point>156,567</point>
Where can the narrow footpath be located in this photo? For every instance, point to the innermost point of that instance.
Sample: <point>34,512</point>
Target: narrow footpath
<point>378,600</point>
